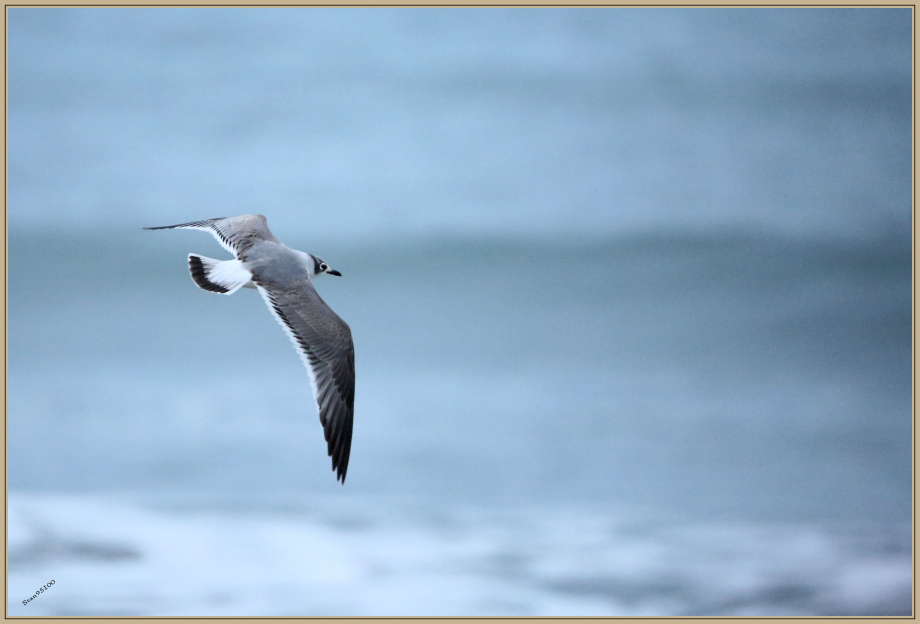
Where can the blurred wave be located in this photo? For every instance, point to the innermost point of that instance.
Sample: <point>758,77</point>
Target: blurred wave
<point>377,558</point>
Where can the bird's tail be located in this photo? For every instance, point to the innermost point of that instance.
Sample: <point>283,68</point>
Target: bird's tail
<point>218,276</point>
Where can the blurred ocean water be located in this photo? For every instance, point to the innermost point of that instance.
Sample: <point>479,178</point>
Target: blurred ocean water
<point>630,290</point>
<point>329,557</point>
<point>380,122</point>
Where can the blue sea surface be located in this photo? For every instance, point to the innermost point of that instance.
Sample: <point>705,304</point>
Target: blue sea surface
<point>630,291</point>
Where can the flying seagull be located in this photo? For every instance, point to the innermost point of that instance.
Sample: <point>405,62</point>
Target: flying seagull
<point>284,278</point>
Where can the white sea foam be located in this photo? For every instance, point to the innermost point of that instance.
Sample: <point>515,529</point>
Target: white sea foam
<point>365,557</point>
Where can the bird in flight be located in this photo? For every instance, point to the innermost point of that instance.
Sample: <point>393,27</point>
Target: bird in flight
<point>284,278</point>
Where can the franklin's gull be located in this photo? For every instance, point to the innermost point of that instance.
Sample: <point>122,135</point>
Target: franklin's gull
<point>284,278</point>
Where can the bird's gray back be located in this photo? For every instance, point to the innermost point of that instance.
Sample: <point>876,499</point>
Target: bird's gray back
<point>279,270</point>
<point>274,264</point>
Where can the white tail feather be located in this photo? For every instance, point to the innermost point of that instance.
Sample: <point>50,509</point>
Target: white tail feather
<point>219,276</point>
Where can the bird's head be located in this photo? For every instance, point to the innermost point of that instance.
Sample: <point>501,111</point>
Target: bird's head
<point>320,267</point>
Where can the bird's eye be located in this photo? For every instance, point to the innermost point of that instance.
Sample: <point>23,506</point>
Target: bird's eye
<point>323,267</point>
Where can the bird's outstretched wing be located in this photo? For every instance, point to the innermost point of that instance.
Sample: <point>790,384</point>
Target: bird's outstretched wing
<point>324,343</point>
<point>235,234</point>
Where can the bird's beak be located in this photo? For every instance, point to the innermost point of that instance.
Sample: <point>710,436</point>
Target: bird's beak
<point>333,272</point>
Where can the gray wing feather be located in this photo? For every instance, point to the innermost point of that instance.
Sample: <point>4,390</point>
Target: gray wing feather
<point>324,343</point>
<point>235,234</point>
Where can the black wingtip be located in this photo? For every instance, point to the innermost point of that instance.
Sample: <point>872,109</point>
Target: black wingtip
<point>340,469</point>
<point>340,462</point>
